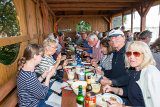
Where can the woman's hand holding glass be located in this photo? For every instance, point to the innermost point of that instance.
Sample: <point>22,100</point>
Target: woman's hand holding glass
<point>51,72</point>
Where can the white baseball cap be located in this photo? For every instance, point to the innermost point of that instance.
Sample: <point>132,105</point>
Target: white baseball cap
<point>115,33</point>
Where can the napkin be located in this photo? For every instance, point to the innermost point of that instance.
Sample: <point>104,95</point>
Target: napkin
<point>56,86</point>
<point>54,100</point>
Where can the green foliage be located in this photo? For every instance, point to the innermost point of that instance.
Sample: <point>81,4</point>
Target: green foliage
<point>83,26</point>
<point>9,26</point>
<point>8,18</point>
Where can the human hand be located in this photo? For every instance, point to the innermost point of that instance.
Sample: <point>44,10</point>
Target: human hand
<point>99,70</point>
<point>106,81</point>
<point>112,103</point>
<point>85,53</point>
<point>63,57</point>
<point>94,62</point>
<point>51,73</point>
<point>59,57</point>
<point>65,63</point>
<point>107,89</point>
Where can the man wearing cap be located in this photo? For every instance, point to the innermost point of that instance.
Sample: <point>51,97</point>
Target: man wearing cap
<point>117,76</point>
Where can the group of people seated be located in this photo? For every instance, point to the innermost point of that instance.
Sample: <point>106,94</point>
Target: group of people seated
<point>127,66</point>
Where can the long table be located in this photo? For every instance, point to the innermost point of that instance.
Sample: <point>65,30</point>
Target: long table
<point>68,96</point>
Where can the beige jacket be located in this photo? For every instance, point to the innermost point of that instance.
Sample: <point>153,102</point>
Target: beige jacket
<point>149,83</point>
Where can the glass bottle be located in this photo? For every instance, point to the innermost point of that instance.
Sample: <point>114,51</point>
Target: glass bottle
<point>89,87</point>
<point>80,98</point>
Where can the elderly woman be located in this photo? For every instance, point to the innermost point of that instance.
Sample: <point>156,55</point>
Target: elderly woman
<point>50,46</point>
<point>143,88</point>
<point>106,61</point>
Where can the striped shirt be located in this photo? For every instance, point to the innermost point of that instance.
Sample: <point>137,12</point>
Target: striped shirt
<point>96,52</point>
<point>45,64</point>
<point>30,89</point>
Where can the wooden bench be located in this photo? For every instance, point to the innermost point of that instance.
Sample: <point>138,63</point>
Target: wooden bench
<point>8,94</point>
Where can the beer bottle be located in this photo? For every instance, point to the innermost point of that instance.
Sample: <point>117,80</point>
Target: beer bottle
<point>89,87</point>
<point>80,97</point>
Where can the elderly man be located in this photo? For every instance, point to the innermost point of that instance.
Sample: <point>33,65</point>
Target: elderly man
<point>84,44</point>
<point>146,36</point>
<point>94,42</point>
<point>117,76</point>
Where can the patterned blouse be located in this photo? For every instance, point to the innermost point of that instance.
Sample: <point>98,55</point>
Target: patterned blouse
<point>106,62</point>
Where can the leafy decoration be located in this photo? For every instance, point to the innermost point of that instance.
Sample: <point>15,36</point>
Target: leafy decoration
<point>83,26</point>
<point>9,26</point>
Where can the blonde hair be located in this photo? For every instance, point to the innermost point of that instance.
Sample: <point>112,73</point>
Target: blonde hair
<point>48,41</point>
<point>142,47</point>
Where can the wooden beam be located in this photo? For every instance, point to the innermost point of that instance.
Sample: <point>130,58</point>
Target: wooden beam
<point>6,88</point>
<point>44,1</point>
<point>91,5</point>
<point>87,8</point>
<point>104,1</point>
<point>14,39</point>
<point>80,15</point>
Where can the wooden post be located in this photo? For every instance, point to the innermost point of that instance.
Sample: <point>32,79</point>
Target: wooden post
<point>159,28</point>
<point>122,19</point>
<point>132,20</point>
<point>109,21</point>
<point>143,10</point>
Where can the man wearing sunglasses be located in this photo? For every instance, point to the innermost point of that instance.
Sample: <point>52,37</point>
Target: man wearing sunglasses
<point>117,76</point>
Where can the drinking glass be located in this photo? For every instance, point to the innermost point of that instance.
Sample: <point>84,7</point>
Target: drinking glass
<point>70,75</point>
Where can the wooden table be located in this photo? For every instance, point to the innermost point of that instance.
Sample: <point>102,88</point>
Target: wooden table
<point>68,96</point>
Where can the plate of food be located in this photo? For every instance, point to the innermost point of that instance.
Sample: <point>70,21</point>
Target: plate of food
<point>102,99</point>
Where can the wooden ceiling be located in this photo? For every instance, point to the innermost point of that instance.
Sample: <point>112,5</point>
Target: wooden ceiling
<point>91,7</point>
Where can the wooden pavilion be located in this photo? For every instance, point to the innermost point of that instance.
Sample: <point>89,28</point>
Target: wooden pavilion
<point>38,18</point>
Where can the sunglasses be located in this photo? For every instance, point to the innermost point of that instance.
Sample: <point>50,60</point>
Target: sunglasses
<point>136,54</point>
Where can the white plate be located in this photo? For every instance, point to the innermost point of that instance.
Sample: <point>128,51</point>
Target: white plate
<point>107,97</point>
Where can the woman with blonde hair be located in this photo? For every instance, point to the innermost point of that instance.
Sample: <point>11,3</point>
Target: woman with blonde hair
<point>144,84</point>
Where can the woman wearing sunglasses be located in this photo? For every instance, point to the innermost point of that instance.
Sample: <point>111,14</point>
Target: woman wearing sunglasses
<point>144,84</point>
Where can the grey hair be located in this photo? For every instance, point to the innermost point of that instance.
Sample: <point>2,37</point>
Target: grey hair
<point>92,36</point>
<point>49,40</point>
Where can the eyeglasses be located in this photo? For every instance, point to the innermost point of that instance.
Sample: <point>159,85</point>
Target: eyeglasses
<point>136,54</point>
